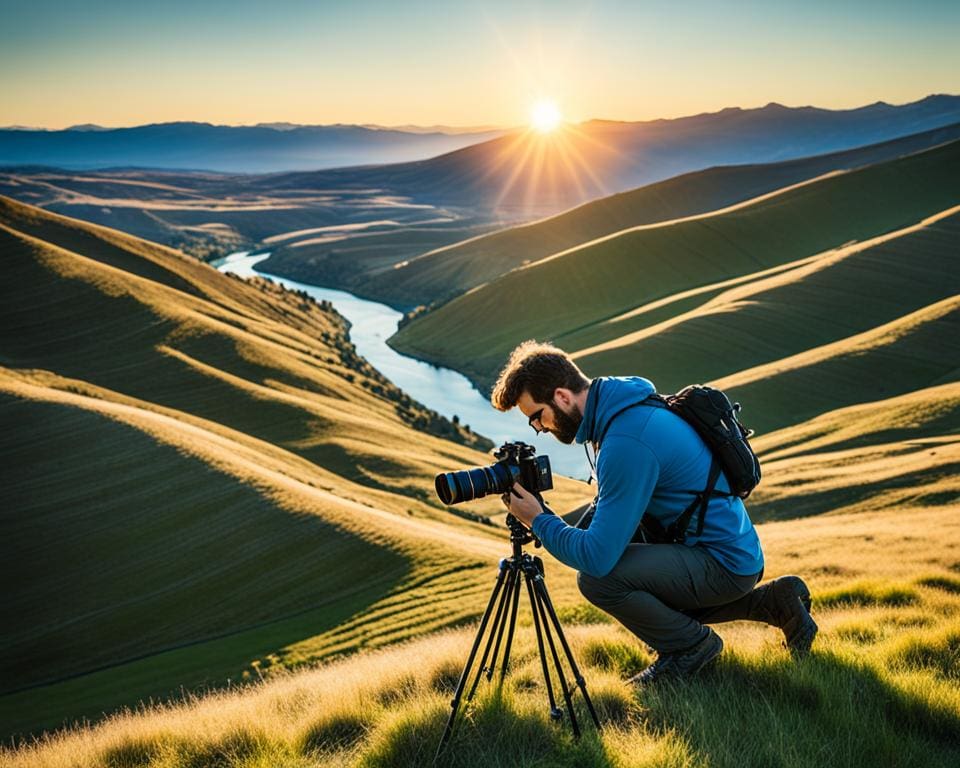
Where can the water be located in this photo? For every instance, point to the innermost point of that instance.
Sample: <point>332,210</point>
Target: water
<point>445,391</point>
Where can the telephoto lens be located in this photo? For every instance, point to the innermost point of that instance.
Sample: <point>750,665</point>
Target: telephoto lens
<point>469,484</point>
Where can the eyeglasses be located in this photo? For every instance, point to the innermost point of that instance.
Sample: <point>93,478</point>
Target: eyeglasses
<point>535,424</point>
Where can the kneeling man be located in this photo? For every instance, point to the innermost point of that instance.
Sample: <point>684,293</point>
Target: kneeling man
<point>647,461</point>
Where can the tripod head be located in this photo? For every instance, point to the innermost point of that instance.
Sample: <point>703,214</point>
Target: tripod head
<point>520,535</point>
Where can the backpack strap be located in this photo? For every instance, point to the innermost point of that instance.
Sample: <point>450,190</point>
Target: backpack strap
<point>677,530</point>
<point>648,400</point>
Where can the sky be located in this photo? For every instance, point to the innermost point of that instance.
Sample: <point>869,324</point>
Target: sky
<point>238,62</point>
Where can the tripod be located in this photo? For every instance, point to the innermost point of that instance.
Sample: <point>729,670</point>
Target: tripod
<point>506,597</point>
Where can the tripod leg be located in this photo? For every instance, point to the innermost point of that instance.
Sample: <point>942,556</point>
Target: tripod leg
<point>513,625</point>
<point>581,683</point>
<point>496,631</point>
<point>564,688</point>
<point>555,713</point>
<point>455,703</point>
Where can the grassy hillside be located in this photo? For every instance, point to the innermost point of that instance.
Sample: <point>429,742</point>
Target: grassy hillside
<point>654,273</point>
<point>204,483</point>
<point>202,479</point>
<point>349,260</point>
<point>822,310</point>
<point>890,454</point>
<point>879,688</point>
<point>445,272</point>
<point>205,214</point>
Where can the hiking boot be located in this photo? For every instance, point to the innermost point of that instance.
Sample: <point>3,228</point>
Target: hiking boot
<point>681,664</point>
<point>791,608</point>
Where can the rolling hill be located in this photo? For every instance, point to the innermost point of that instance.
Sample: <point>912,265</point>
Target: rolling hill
<point>200,476</point>
<point>211,214</point>
<point>524,174</point>
<point>901,452</point>
<point>204,483</point>
<point>404,276</point>
<point>648,298</point>
<point>879,687</point>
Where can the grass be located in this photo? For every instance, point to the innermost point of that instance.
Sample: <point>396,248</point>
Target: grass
<point>245,498</point>
<point>883,454</point>
<point>205,214</point>
<point>454,269</point>
<point>204,481</point>
<point>879,688</point>
<point>571,296</point>
<point>768,319</point>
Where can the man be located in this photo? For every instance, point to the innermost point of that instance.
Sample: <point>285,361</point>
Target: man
<point>648,460</point>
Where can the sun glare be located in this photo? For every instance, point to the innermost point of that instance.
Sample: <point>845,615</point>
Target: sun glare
<point>545,116</point>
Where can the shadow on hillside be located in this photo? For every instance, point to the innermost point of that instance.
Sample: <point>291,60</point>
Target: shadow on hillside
<point>495,732</point>
<point>772,711</point>
<point>143,571</point>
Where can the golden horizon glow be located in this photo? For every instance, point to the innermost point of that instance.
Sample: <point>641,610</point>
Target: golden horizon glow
<point>545,116</point>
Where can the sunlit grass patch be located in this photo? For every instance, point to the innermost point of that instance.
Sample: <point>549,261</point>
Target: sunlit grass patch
<point>583,613</point>
<point>626,657</point>
<point>500,727</point>
<point>861,632</point>
<point>866,593</point>
<point>769,710</point>
<point>938,652</point>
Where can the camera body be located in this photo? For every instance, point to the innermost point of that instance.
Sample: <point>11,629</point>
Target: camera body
<point>517,462</point>
<point>531,471</point>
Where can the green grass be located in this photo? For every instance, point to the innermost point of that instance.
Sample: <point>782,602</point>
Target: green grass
<point>575,293</point>
<point>767,320</point>
<point>879,687</point>
<point>202,481</point>
<point>896,705</point>
<point>452,270</point>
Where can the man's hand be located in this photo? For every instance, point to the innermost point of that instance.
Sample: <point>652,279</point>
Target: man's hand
<point>522,504</point>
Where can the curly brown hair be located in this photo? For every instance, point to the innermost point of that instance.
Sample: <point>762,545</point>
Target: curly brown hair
<point>537,369</point>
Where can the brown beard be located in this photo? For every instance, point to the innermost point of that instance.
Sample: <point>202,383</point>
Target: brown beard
<point>565,425</point>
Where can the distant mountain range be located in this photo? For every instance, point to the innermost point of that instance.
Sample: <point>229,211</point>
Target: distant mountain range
<point>515,169</point>
<point>267,147</point>
<point>526,174</point>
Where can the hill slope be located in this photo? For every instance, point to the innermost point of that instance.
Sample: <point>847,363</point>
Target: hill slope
<point>601,292</point>
<point>879,687</point>
<point>444,272</point>
<point>890,454</point>
<point>528,174</point>
<point>200,474</point>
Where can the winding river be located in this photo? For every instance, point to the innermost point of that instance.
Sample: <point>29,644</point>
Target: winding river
<point>445,391</point>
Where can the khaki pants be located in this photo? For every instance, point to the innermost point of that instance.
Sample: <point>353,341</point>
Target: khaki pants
<point>665,593</point>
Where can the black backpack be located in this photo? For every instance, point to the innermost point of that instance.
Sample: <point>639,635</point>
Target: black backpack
<point>710,412</point>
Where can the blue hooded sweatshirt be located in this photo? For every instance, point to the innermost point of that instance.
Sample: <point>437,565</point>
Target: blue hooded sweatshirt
<point>648,458</point>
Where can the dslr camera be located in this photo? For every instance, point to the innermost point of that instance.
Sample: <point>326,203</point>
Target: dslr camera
<point>515,463</point>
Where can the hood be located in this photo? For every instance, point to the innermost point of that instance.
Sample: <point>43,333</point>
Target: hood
<point>607,397</point>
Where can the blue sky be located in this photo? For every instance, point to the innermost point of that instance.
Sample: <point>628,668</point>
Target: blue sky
<point>241,62</point>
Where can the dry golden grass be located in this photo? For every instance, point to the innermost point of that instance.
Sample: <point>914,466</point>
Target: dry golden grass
<point>887,605</point>
<point>289,442</point>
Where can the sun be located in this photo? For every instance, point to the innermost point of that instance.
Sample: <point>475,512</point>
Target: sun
<point>545,116</point>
